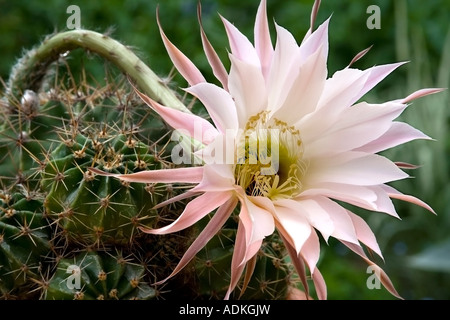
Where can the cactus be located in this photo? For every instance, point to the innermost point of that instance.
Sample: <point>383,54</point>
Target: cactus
<point>101,276</point>
<point>24,242</point>
<point>56,213</point>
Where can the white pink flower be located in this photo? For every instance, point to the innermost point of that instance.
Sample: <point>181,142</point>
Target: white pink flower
<point>326,144</point>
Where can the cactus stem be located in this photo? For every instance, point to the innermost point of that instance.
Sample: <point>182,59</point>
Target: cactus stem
<point>30,70</point>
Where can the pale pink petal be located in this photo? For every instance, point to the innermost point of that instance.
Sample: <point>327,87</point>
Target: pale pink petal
<point>295,226</point>
<point>406,165</point>
<point>364,233</point>
<point>179,120</point>
<point>248,89</point>
<point>216,177</point>
<point>343,224</point>
<point>237,267</point>
<point>185,195</point>
<point>311,250</point>
<point>421,93</point>
<point>260,211</point>
<point>216,64</point>
<point>367,197</point>
<point>218,103</point>
<point>298,263</point>
<point>360,125</point>
<point>310,208</point>
<point>194,211</point>
<point>317,39</point>
<point>314,13</point>
<point>338,93</point>
<point>185,66</point>
<point>359,56</point>
<point>381,275</point>
<point>180,175</point>
<point>366,170</point>
<point>263,43</point>
<point>399,133</point>
<point>395,194</point>
<point>240,46</point>
<point>211,229</point>
<point>319,284</point>
<point>376,75</point>
<point>283,69</point>
<point>342,89</point>
<point>249,269</point>
<point>306,89</point>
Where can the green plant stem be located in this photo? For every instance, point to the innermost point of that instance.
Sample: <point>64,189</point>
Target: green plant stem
<point>31,69</point>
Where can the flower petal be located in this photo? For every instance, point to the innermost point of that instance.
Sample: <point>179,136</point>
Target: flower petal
<point>343,224</point>
<point>238,258</point>
<point>248,89</point>
<point>379,273</point>
<point>311,250</point>
<point>359,125</point>
<point>281,71</point>
<point>317,39</point>
<point>194,211</point>
<point>319,284</point>
<point>180,175</point>
<point>305,91</point>
<point>214,61</point>
<point>394,194</point>
<point>310,208</point>
<point>211,229</point>
<point>367,197</point>
<point>421,93</point>
<point>179,120</point>
<point>216,177</point>
<point>240,46</point>
<point>259,211</point>
<point>185,66</point>
<point>263,43</point>
<point>399,133</point>
<point>218,103</point>
<point>362,170</point>
<point>364,233</point>
<point>294,226</point>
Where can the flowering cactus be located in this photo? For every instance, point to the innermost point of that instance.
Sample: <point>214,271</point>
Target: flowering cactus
<point>300,141</point>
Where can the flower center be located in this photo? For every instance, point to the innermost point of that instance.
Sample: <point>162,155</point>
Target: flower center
<point>270,158</point>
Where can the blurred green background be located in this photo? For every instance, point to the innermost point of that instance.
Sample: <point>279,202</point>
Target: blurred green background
<point>417,247</point>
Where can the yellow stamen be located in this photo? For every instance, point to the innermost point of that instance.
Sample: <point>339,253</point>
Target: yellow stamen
<point>270,158</point>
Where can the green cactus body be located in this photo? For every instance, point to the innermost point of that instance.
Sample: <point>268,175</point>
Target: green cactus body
<point>24,243</point>
<point>97,209</point>
<point>102,276</point>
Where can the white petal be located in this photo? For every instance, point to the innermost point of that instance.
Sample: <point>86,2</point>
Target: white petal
<point>219,104</point>
<point>241,47</point>
<point>399,133</point>
<point>294,223</point>
<point>357,126</point>
<point>305,90</point>
<point>248,89</point>
<point>282,70</point>
<point>310,209</point>
<point>372,198</point>
<point>365,170</point>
